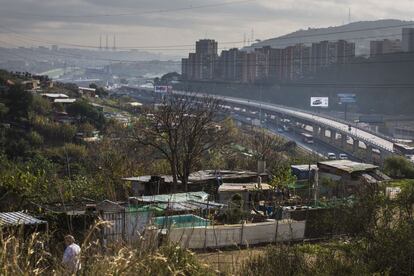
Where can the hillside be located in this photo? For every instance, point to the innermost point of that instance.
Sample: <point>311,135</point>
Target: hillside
<point>359,32</point>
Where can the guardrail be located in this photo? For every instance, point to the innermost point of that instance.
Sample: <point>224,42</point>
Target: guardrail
<point>288,111</point>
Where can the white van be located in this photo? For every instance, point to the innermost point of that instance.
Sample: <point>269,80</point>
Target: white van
<point>343,156</point>
<point>331,156</point>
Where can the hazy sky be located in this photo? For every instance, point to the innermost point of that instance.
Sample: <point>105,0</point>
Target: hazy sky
<point>161,23</point>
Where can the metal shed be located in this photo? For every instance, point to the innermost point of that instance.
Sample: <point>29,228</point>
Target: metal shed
<point>18,218</point>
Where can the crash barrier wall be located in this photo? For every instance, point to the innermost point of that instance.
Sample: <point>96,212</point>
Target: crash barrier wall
<point>237,234</point>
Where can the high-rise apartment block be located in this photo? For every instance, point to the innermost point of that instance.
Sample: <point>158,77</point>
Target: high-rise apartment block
<point>292,63</point>
<point>386,46</point>
<point>201,64</point>
<point>408,39</point>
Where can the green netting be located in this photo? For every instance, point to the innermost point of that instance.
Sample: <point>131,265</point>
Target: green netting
<point>181,221</point>
<point>157,210</point>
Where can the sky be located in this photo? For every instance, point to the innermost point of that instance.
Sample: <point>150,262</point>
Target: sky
<point>172,26</point>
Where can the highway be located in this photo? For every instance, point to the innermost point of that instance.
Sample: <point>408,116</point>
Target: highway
<point>318,148</point>
<point>375,140</point>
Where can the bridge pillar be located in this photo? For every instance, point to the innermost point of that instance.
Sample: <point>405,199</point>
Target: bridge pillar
<point>355,145</point>
<point>368,154</point>
<point>343,140</point>
<point>315,130</point>
<point>383,155</point>
<point>323,132</point>
<point>333,136</point>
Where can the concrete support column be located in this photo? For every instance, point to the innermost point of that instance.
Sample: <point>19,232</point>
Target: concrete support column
<point>383,155</point>
<point>323,132</point>
<point>315,130</point>
<point>343,140</point>
<point>355,145</point>
<point>368,154</point>
<point>333,136</point>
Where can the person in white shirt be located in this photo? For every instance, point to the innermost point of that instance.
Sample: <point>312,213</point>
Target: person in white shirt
<point>71,256</point>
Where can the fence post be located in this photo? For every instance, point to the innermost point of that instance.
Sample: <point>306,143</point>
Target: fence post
<point>241,234</point>
<point>277,229</point>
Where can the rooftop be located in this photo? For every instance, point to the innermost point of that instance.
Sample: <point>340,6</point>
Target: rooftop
<point>135,104</point>
<point>18,218</point>
<point>304,167</point>
<point>87,89</point>
<point>237,187</point>
<point>199,176</point>
<point>54,95</point>
<point>179,197</point>
<point>64,100</point>
<point>347,166</point>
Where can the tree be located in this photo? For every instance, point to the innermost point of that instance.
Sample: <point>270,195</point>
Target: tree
<point>18,102</point>
<point>183,129</point>
<point>398,167</point>
<point>264,144</point>
<point>86,113</point>
<point>282,178</point>
<point>41,106</point>
<point>3,111</point>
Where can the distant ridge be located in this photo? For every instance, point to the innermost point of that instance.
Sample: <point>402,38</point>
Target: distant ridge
<point>359,32</point>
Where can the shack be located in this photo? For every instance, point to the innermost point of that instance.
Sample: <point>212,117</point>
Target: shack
<point>206,180</point>
<point>249,192</point>
<point>9,221</point>
<point>348,177</point>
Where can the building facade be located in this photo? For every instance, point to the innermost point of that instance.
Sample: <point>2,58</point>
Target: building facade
<point>266,64</point>
<point>386,46</point>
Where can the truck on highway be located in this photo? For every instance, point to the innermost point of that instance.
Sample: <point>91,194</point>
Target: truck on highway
<point>307,138</point>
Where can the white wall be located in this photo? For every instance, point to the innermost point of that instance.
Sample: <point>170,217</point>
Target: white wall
<point>237,234</point>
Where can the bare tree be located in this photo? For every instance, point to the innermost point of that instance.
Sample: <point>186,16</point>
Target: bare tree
<point>183,129</point>
<point>264,144</point>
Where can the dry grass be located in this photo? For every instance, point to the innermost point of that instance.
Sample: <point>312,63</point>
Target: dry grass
<point>36,254</point>
<point>229,261</point>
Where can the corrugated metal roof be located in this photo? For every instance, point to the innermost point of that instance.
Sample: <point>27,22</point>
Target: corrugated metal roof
<point>179,197</point>
<point>348,165</point>
<point>239,187</point>
<point>18,218</point>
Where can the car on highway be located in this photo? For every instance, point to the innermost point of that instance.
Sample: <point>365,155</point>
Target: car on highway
<point>343,156</point>
<point>331,156</point>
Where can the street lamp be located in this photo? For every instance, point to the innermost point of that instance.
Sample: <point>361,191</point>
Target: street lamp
<point>356,126</point>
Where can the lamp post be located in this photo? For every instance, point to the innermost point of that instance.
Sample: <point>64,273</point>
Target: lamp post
<point>356,126</point>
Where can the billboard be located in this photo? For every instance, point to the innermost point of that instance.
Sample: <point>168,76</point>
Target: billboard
<point>347,98</point>
<point>371,119</point>
<point>162,88</point>
<point>319,101</point>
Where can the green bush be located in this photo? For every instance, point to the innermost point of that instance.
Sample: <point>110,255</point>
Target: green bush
<point>399,167</point>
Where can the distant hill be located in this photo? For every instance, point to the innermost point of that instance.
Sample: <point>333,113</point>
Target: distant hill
<point>359,32</point>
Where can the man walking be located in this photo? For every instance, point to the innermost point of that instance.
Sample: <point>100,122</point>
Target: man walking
<point>71,256</point>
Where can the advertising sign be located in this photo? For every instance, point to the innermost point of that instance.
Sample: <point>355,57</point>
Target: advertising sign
<point>371,119</point>
<point>319,101</point>
<point>347,98</point>
<point>162,88</point>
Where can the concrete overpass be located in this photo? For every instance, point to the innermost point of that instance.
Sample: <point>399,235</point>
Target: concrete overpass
<point>325,128</point>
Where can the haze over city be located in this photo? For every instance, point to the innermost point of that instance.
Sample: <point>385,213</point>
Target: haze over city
<point>190,137</point>
<point>156,24</point>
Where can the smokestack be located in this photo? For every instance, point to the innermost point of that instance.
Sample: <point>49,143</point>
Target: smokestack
<point>100,42</point>
<point>114,46</point>
<point>106,45</point>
